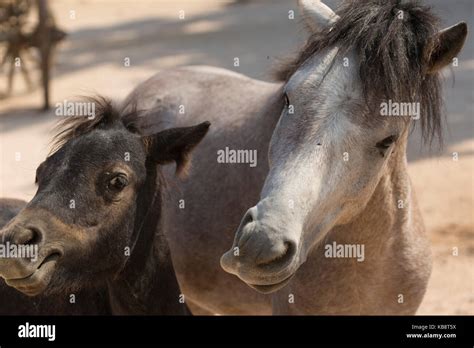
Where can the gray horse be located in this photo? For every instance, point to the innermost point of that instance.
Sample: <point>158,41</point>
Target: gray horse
<point>335,228</point>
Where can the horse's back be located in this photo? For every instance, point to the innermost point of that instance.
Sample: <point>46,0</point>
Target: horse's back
<point>189,95</point>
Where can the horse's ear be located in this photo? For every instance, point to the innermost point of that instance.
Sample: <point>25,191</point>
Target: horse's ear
<point>445,46</point>
<point>316,15</point>
<point>175,145</point>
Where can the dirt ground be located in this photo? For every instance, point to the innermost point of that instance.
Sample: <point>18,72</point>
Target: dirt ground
<point>102,34</point>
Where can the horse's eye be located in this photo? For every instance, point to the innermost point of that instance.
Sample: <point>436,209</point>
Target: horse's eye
<point>287,100</point>
<point>117,183</point>
<point>386,143</point>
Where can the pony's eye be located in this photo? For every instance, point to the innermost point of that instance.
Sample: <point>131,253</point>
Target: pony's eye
<point>117,183</point>
<point>386,143</point>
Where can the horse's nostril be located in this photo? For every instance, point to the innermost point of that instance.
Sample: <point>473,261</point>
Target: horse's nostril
<point>27,236</point>
<point>248,218</point>
<point>36,238</point>
<point>243,234</point>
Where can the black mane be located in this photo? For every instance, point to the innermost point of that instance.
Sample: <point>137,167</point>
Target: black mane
<point>392,52</point>
<point>106,115</point>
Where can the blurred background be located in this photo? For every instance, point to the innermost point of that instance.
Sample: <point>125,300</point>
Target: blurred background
<point>111,46</point>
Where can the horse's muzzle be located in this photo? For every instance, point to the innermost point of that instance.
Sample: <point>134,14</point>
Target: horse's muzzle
<point>26,263</point>
<point>261,256</point>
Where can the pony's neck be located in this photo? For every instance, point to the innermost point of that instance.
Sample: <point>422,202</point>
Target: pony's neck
<point>390,207</point>
<point>148,284</point>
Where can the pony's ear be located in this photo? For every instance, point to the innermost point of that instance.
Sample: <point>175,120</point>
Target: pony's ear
<point>175,145</point>
<point>445,46</point>
<point>316,15</point>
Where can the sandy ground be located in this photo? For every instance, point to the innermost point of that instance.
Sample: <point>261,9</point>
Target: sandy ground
<point>102,34</point>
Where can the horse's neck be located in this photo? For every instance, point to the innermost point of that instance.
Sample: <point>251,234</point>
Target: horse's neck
<point>395,252</point>
<point>390,212</point>
<point>390,205</point>
<point>148,284</point>
<point>357,266</point>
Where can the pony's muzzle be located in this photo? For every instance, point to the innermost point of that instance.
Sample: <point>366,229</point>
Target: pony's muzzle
<point>26,263</point>
<point>15,241</point>
<point>261,254</point>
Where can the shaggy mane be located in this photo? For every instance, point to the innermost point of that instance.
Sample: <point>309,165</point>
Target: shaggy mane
<point>106,114</point>
<point>390,52</point>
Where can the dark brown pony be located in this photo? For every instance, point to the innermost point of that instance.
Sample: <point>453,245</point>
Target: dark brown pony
<point>95,222</point>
